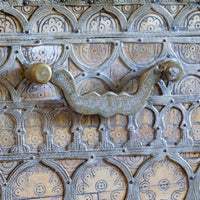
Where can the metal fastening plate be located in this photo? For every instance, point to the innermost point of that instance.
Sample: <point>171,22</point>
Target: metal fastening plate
<point>103,48</point>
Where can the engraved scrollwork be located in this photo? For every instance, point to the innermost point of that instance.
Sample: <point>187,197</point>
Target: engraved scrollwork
<point>101,22</point>
<point>7,24</point>
<point>90,135</point>
<point>163,179</point>
<point>117,71</point>
<point>129,9</point>
<point>33,127</point>
<point>15,74</point>
<point>53,23</point>
<point>93,54</point>
<point>152,22</point>
<point>92,85</point>
<point>108,182</point>
<point>189,53</point>
<point>39,91</point>
<point>44,54</point>
<point>70,165</point>
<point>78,10</point>
<point>61,124</point>
<point>118,132</point>
<point>188,85</point>
<point>7,137</point>
<point>133,162</point>
<point>38,181</point>
<point>6,167</point>
<point>192,22</point>
<point>172,132</point>
<point>145,121</point>
<point>141,53</point>
<point>27,11</point>
<point>195,132</point>
<point>174,9</point>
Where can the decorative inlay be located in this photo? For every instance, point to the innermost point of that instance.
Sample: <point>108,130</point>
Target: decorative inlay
<point>53,23</point>
<point>61,125</point>
<point>38,181</point>
<point>48,54</point>
<point>172,120</point>
<point>142,53</point>
<point>92,55</point>
<point>102,22</point>
<point>107,183</point>
<point>163,180</point>
<point>152,22</point>
<point>192,22</point>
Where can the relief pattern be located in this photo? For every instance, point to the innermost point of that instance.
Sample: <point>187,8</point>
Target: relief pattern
<point>163,179</point>
<point>33,127</point>
<point>143,54</point>
<point>152,22</point>
<point>48,151</point>
<point>26,185</point>
<point>101,181</point>
<point>102,22</point>
<point>61,125</point>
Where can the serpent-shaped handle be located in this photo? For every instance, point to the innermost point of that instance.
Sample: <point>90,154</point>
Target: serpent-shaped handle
<point>110,103</point>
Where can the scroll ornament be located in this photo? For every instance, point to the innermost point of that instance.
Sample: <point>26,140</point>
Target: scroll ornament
<point>110,103</point>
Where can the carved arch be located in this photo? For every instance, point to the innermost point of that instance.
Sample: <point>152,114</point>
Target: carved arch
<point>111,162</point>
<point>136,16</point>
<point>172,157</point>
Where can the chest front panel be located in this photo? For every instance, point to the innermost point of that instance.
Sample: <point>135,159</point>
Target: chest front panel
<point>49,151</point>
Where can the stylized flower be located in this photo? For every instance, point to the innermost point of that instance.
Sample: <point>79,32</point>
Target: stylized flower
<point>6,139</point>
<point>7,24</point>
<point>196,132</point>
<point>118,134</point>
<point>152,22</point>
<point>193,22</point>
<point>90,135</point>
<point>34,138</point>
<point>53,23</point>
<point>172,133</point>
<point>166,177</point>
<point>62,136</point>
<point>145,132</point>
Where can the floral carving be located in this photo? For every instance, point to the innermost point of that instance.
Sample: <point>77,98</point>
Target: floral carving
<point>108,183</point>
<point>141,53</point>
<point>163,180</point>
<point>118,134</point>
<point>102,22</point>
<point>6,139</point>
<point>189,53</point>
<point>192,22</point>
<point>34,138</point>
<point>90,135</point>
<point>152,22</point>
<point>53,23</point>
<point>62,136</point>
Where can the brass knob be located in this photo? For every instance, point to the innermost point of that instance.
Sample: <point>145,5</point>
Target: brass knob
<point>173,71</point>
<point>39,73</point>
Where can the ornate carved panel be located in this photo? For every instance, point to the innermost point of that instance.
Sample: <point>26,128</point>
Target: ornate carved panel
<point>114,122</point>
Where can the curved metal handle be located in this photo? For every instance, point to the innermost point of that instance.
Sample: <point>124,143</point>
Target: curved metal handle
<point>110,104</point>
